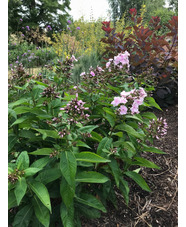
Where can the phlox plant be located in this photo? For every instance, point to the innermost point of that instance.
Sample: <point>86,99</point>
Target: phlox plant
<point>70,149</point>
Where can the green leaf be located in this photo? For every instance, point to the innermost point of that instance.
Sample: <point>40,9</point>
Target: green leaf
<point>152,149</point>
<point>130,148</point>
<point>68,166</point>
<point>40,163</point>
<point>42,193</point>
<point>115,170</point>
<point>41,212</point>
<point>87,129</point>
<point>36,91</point>
<point>109,111</point>
<point>22,109</point>
<point>91,201</point>
<point>41,114</point>
<point>48,133</point>
<point>27,134</point>
<point>119,134</point>
<point>31,171</point>
<point>23,161</point>
<point>137,170</point>
<point>138,179</point>
<point>104,144</point>
<point>88,212</point>
<point>20,120</point>
<point>110,119</point>
<point>12,140</point>
<point>12,113</point>
<point>149,101</point>
<point>129,130</point>
<point>91,177</point>
<point>149,115</point>
<point>90,157</point>
<point>20,189</point>
<point>96,136</point>
<point>146,163</point>
<point>133,117</point>
<point>67,193</point>
<point>10,170</point>
<point>79,143</point>
<point>42,151</point>
<point>48,175</point>
<point>40,83</point>
<point>23,216</point>
<point>124,188</point>
<point>17,103</point>
<point>12,201</point>
<point>117,90</point>
<point>67,215</point>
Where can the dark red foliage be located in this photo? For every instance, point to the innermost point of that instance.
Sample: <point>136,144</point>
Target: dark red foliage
<point>106,27</point>
<point>133,12</point>
<point>154,20</point>
<point>106,23</point>
<point>148,49</point>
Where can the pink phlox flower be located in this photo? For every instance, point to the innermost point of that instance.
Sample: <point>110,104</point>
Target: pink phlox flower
<point>134,109</point>
<point>100,69</point>
<point>123,100</point>
<point>138,101</point>
<point>123,59</point>
<point>80,102</point>
<point>108,64</point>
<point>125,93</point>
<point>92,73</point>
<point>82,74</point>
<point>142,92</point>
<point>116,101</point>
<point>122,110</point>
<point>127,53</point>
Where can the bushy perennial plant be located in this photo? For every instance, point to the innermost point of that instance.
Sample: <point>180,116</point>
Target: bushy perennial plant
<point>70,146</point>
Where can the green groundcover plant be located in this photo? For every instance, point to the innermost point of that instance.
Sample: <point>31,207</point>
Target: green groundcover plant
<point>70,146</point>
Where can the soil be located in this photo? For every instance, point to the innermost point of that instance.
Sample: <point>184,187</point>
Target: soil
<point>158,208</point>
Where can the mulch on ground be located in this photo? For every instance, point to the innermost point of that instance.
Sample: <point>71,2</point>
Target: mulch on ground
<point>158,208</point>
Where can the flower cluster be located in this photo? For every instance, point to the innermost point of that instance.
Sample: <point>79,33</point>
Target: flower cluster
<point>133,99</point>
<point>86,134</point>
<point>157,128</point>
<point>18,75</point>
<point>54,154</point>
<point>119,61</point>
<point>66,66</point>
<point>50,92</point>
<point>63,132</point>
<point>76,110</point>
<point>13,177</point>
<point>93,73</point>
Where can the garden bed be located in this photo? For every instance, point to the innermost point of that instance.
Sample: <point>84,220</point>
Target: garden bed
<point>158,208</point>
